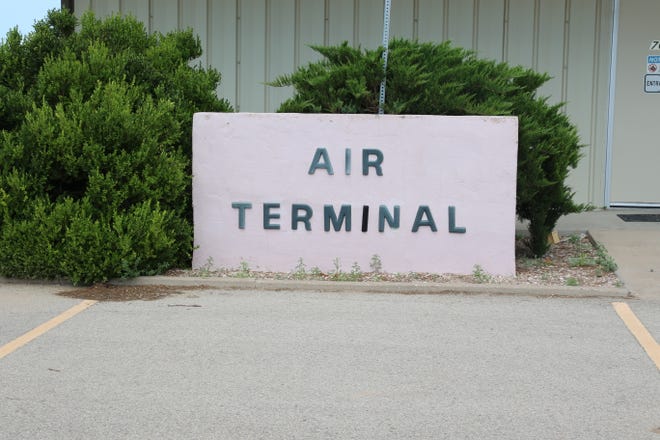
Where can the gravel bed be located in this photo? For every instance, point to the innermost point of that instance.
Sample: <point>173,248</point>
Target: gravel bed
<point>573,261</point>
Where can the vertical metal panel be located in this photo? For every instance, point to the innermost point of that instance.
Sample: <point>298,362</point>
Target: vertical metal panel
<point>252,37</point>
<point>193,16</point>
<point>81,6</point>
<point>567,44</point>
<point>370,23</point>
<point>340,21</point>
<point>402,19</point>
<point>165,15</point>
<point>490,29</point>
<point>137,8</point>
<point>460,23</point>
<point>579,85</point>
<point>311,27</point>
<point>280,28</point>
<point>600,190</point>
<point>431,20</point>
<point>222,46</point>
<point>520,40</point>
<point>415,34</point>
<point>551,48</point>
<point>104,8</point>
<point>600,103</point>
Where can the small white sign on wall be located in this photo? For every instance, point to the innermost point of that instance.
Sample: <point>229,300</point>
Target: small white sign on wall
<point>652,83</point>
<point>423,193</point>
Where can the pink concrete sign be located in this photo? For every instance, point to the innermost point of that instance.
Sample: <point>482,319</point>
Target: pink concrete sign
<point>423,193</point>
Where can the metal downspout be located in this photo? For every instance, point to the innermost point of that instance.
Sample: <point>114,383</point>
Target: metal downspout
<point>610,106</point>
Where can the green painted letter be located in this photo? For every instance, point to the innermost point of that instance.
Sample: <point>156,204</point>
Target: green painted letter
<point>452,222</point>
<point>376,163</point>
<point>241,206</point>
<point>321,153</point>
<point>424,211</point>
<point>384,215</point>
<point>329,216</point>
<point>296,217</point>
<point>268,216</point>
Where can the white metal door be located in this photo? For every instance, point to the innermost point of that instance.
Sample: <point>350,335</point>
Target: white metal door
<point>635,179</point>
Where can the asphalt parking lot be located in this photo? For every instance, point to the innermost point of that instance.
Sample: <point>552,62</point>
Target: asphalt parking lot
<point>213,364</point>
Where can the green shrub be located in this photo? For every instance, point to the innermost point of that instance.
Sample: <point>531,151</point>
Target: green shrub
<point>95,148</point>
<point>438,79</point>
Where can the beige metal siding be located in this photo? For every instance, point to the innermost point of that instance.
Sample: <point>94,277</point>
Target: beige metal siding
<point>253,41</point>
<point>311,29</point>
<point>222,45</point>
<point>137,8</point>
<point>581,91</point>
<point>490,29</point>
<point>432,23</point>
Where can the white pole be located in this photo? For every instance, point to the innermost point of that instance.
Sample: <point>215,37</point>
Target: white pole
<point>610,107</point>
<point>386,40</point>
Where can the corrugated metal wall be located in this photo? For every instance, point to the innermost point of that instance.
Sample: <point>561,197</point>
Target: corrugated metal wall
<point>253,41</point>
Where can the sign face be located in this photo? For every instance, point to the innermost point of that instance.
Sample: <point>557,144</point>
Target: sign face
<point>652,83</point>
<point>422,193</point>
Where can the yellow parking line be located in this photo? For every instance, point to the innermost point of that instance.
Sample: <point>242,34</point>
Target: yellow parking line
<point>43,328</point>
<point>639,331</point>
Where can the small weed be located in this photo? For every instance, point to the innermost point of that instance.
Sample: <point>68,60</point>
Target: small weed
<point>532,262</point>
<point>315,272</point>
<point>376,264</point>
<point>480,275</point>
<point>337,264</point>
<point>619,284</point>
<point>581,260</point>
<point>207,268</point>
<point>604,260</point>
<point>243,270</point>
<point>336,274</point>
<point>570,281</point>
<point>575,239</point>
<point>356,272</point>
<point>416,276</point>
<point>300,271</point>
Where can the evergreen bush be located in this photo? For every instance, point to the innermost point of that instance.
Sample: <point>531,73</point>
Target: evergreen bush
<point>95,148</point>
<point>438,79</point>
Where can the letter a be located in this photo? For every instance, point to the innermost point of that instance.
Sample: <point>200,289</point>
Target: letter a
<point>321,153</point>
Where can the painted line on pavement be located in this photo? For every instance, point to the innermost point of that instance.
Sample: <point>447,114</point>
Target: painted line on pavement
<point>43,328</point>
<point>639,331</point>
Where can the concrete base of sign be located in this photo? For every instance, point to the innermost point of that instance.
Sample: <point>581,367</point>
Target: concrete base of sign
<point>408,193</point>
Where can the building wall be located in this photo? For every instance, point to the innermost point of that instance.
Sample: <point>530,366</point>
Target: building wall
<point>252,41</point>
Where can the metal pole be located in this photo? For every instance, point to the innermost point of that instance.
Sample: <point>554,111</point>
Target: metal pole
<point>386,40</point>
<point>610,107</point>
